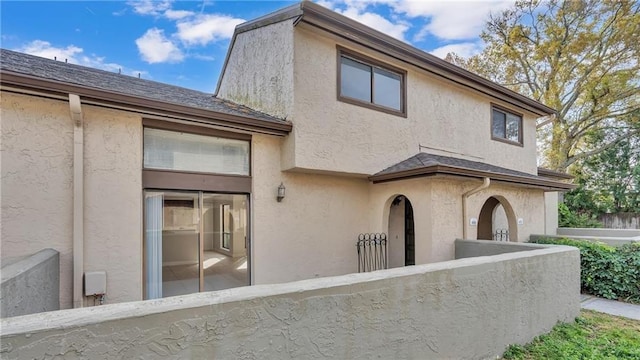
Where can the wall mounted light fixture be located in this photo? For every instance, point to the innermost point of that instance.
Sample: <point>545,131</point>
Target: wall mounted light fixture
<point>281,192</point>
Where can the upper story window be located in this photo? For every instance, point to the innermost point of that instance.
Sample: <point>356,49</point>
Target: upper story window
<point>367,82</point>
<point>181,151</point>
<point>506,126</point>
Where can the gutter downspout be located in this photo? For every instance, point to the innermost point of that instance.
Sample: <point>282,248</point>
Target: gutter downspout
<point>485,184</point>
<point>78,198</point>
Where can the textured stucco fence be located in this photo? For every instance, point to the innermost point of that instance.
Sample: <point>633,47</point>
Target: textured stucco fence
<point>613,237</point>
<point>469,308</point>
<point>30,284</point>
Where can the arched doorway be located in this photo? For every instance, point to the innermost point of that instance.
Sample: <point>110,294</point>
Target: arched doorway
<point>497,220</point>
<point>401,233</point>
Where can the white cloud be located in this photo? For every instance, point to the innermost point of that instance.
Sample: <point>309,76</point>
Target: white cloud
<point>46,50</point>
<point>154,47</point>
<point>177,14</point>
<point>150,7</point>
<point>326,3</point>
<point>356,10</point>
<point>72,54</point>
<point>377,22</point>
<point>465,49</point>
<point>206,28</point>
<point>203,57</point>
<point>451,20</point>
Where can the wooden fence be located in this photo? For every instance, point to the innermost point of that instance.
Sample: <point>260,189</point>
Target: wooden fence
<point>620,220</point>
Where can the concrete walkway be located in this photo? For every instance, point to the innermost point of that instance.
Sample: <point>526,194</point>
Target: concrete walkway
<point>610,307</point>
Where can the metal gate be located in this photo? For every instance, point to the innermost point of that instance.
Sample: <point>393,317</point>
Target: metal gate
<point>501,235</point>
<point>372,252</point>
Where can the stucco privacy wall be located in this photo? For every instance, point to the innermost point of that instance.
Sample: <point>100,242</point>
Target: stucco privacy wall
<point>31,284</point>
<point>335,136</point>
<point>599,232</point>
<point>37,146</point>
<point>259,70</point>
<point>463,309</point>
<point>475,248</point>
<point>312,232</point>
<point>611,241</point>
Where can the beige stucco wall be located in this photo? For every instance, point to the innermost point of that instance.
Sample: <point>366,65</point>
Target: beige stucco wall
<point>113,200</point>
<point>259,70</point>
<point>418,192</point>
<point>330,135</point>
<point>313,231</point>
<point>37,149</point>
<point>527,204</point>
<point>437,211</point>
<point>550,213</point>
<point>37,198</point>
<point>463,309</point>
<point>499,221</point>
<point>396,235</point>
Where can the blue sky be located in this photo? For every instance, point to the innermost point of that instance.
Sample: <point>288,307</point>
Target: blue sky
<point>185,42</point>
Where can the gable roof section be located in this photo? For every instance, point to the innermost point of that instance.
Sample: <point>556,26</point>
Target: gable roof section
<point>424,164</point>
<point>101,87</point>
<point>344,27</point>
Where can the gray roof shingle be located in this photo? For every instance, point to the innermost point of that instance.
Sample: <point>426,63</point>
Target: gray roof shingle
<point>422,160</point>
<point>430,161</point>
<point>17,62</point>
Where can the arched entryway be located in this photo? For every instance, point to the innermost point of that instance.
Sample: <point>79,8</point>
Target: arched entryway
<point>497,221</point>
<point>401,233</point>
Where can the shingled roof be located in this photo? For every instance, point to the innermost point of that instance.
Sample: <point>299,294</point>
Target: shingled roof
<point>24,70</point>
<point>423,164</point>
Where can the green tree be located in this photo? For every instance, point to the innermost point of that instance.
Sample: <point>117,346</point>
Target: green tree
<point>581,58</point>
<point>608,182</point>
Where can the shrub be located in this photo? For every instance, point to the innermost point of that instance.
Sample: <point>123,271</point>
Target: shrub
<point>568,218</point>
<point>606,271</point>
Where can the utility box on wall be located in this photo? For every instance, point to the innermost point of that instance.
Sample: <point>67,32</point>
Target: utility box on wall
<point>95,283</point>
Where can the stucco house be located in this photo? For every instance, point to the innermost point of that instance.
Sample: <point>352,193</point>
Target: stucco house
<point>320,129</point>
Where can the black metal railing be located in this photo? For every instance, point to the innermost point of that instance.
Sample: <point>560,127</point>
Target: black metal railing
<point>372,252</point>
<point>501,235</point>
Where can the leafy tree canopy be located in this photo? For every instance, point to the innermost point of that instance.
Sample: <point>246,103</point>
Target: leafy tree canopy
<point>608,182</point>
<point>581,58</point>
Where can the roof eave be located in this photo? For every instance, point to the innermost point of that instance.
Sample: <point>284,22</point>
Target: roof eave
<point>554,174</point>
<point>145,105</point>
<point>347,28</point>
<point>547,185</point>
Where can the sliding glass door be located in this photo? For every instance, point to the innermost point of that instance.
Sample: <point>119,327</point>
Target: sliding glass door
<point>194,241</point>
<point>225,241</point>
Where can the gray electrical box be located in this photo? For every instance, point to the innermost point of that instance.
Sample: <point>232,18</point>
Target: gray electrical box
<point>95,283</point>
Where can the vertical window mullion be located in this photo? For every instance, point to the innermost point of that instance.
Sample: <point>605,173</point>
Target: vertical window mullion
<point>373,88</point>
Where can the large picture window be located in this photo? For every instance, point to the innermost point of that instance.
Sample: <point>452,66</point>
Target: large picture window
<point>180,151</point>
<point>366,82</point>
<point>506,126</point>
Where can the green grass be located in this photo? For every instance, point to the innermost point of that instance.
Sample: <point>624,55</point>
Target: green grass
<point>592,336</point>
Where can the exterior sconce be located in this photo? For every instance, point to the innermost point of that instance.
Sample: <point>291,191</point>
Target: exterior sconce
<point>281,192</point>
